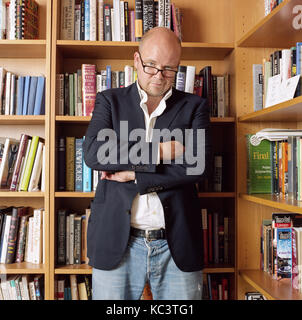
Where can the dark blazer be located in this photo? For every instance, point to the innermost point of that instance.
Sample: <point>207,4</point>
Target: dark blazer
<point>109,222</point>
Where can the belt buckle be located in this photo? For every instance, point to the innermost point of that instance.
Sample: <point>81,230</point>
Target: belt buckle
<point>147,235</point>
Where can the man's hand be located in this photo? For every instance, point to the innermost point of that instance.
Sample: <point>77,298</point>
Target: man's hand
<point>121,176</point>
<point>170,150</point>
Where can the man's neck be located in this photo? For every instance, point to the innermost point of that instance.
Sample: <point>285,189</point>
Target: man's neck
<point>152,103</point>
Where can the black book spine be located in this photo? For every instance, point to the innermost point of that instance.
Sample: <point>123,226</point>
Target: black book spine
<point>148,15</point>
<point>61,234</point>
<point>12,237</point>
<point>82,23</point>
<point>127,26</point>
<point>61,164</point>
<point>66,94</point>
<point>107,23</point>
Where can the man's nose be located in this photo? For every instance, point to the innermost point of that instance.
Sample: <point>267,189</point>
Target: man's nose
<point>159,75</point>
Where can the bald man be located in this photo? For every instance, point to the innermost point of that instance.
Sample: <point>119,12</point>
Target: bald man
<point>145,222</point>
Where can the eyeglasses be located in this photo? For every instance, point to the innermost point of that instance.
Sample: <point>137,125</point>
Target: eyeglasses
<point>167,73</point>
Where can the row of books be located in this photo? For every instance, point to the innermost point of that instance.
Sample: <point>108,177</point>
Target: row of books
<point>95,20</point>
<point>22,231</point>
<point>19,19</point>
<point>73,173</point>
<point>275,166</point>
<point>71,237</point>
<point>216,287</point>
<point>73,287</point>
<point>21,95</point>
<point>216,234</point>
<point>281,247</point>
<point>22,287</point>
<point>278,69</point>
<point>269,5</point>
<point>22,163</point>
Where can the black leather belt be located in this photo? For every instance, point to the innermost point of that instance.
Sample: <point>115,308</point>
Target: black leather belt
<point>148,234</point>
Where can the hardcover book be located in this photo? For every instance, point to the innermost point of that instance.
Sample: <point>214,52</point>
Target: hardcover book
<point>259,166</point>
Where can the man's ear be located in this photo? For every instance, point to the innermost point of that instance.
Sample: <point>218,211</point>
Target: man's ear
<point>136,59</point>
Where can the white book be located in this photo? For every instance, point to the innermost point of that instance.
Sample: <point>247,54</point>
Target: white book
<point>98,83</point>
<point>36,170</point>
<point>44,225</point>
<point>67,20</point>
<point>2,19</point>
<point>190,79</point>
<point>5,289</point>
<point>161,13</point>
<point>122,21</point>
<point>220,97</point>
<point>71,235</point>
<point>113,26</point>
<point>12,101</point>
<point>18,282</point>
<point>95,179</point>
<point>12,19</point>
<point>7,93</point>
<point>1,294</point>
<point>8,219</point>
<point>128,75</point>
<point>25,293</point>
<point>22,168</point>
<point>117,20</point>
<point>77,22</point>
<point>37,236</point>
<point>93,20</point>
<point>104,80</point>
<point>32,290</point>
<point>285,64</point>
<point>43,170</point>
<point>12,287</point>
<point>29,241</point>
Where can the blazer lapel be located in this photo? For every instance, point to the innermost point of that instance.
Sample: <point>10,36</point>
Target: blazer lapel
<point>174,105</point>
<point>137,118</point>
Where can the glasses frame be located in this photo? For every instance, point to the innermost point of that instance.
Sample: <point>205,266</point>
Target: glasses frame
<point>157,69</point>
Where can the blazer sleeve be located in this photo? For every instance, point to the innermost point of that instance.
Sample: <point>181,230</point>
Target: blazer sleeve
<point>173,175</point>
<point>94,154</point>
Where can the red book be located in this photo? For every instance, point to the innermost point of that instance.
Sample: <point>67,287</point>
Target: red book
<point>88,88</point>
<point>225,289</point>
<point>205,236</point>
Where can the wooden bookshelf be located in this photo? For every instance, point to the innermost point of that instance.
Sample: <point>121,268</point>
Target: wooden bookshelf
<point>270,288</point>
<point>30,57</point>
<point>273,31</point>
<point>216,194</point>
<point>257,37</point>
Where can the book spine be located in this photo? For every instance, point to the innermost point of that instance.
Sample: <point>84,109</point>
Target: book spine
<point>77,22</point>
<point>87,20</point>
<point>122,21</point>
<point>70,163</point>
<point>220,97</point>
<point>29,163</point>
<point>87,179</point>
<point>79,165</point>
<point>138,20</point>
<point>107,23</point>
<point>37,236</point>
<point>21,239</point>
<point>257,86</point>
<point>67,20</point>
<point>61,234</point>
<point>190,78</point>
<point>127,22</point>
<point>100,20</point>
<point>77,240</point>
<point>61,164</point>
<point>82,22</point>
<point>71,237</point>
<point>148,15</point>
<point>37,169</point>
<point>93,12</point>
<point>88,88</point>
<point>181,78</point>
<point>168,14</point>
<point>12,237</point>
<point>117,20</point>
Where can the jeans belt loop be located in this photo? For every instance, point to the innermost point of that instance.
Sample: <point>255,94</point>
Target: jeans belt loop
<point>147,235</point>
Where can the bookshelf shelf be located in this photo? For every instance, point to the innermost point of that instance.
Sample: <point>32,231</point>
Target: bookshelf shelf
<point>218,269</point>
<point>21,120</point>
<point>74,269</point>
<point>289,110</point>
<point>32,49</point>
<point>273,201</point>
<point>66,194</point>
<point>22,268</point>
<point>216,195</point>
<point>223,120</point>
<point>270,288</point>
<point>273,30</point>
<point>20,194</point>
<point>116,49</point>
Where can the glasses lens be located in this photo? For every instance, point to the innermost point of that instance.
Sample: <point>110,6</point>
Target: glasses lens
<point>150,70</point>
<point>169,73</point>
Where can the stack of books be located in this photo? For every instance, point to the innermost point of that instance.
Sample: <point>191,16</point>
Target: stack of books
<point>73,287</point>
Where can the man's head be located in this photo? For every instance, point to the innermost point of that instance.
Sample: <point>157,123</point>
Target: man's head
<point>159,48</point>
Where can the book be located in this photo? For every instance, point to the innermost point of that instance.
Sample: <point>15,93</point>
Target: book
<point>138,20</point>
<point>32,95</point>
<point>67,20</point>
<point>12,236</point>
<point>39,106</point>
<point>88,88</point>
<point>259,166</point>
<point>190,79</point>
<point>70,163</point>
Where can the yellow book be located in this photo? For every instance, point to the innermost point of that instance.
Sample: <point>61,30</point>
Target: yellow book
<point>29,163</point>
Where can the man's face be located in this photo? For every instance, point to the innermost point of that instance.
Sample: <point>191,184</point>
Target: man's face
<point>162,56</point>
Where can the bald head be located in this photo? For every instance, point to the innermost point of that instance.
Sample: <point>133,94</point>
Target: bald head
<point>162,37</point>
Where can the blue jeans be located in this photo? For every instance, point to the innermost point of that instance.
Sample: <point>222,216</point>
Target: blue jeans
<point>146,261</point>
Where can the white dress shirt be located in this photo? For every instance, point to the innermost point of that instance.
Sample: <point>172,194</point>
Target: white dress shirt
<point>147,212</point>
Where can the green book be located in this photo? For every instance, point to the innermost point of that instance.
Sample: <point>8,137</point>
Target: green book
<point>259,167</point>
<point>29,163</point>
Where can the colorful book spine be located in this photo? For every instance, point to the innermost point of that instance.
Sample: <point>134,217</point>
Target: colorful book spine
<point>79,165</point>
<point>88,88</point>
